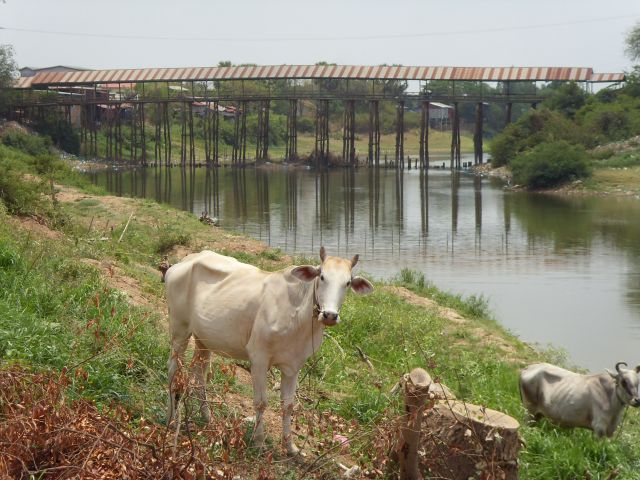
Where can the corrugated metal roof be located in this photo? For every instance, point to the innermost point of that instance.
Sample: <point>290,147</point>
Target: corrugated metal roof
<point>321,71</point>
<point>607,77</point>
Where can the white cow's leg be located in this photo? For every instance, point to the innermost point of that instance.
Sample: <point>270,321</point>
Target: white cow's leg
<point>178,346</point>
<point>201,361</point>
<point>259,379</point>
<point>288,385</point>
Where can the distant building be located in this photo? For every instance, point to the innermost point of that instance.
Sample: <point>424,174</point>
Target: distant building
<point>31,71</point>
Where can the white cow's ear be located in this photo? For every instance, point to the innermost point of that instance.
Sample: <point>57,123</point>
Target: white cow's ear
<point>361,285</point>
<point>613,374</point>
<point>306,273</point>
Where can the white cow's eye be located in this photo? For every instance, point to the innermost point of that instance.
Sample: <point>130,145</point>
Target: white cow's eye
<point>348,283</point>
<point>322,277</point>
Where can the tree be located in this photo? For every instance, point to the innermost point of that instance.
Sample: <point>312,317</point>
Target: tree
<point>633,43</point>
<point>7,71</point>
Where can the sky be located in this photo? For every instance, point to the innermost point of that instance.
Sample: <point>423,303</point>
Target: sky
<point>188,33</point>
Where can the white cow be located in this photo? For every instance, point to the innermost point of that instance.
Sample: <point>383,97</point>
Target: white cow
<point>574,400</point>
<point>270,318</point>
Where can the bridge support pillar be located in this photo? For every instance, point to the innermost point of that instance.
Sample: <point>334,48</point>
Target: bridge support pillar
<point>508,113</point>
<point>210,125</point>
<point>424,135</point>
<point>291,152</point>
<point>478,133</point>
<point>321,151</point>
<point>349,133</point>
<point>239,154</point>
<point>262,142</point>
<point>455,138</point>
<point>162,137</point>
<point>187,140</point>
<point>399,160</point>
<point>374,133</point>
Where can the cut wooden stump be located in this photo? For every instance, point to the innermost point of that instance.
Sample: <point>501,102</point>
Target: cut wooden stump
<point>416,393</point>
<point>464,441</point>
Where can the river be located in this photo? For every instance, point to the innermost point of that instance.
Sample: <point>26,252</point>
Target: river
<point>559,271</point>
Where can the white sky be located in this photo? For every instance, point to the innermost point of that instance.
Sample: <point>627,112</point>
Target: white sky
<point>586,33</point>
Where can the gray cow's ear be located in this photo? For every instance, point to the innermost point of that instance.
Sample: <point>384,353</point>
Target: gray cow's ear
<point>613,374</point>
<point>306,273</point>
<point>361,285</point>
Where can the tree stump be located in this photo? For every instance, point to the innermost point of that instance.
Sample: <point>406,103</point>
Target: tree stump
<point>416,393</point>
<point>464,441</point>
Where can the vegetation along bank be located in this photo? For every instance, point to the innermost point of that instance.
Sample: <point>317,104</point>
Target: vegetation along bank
<point>84,348</point>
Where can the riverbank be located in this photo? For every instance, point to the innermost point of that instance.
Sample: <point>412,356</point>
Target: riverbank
<point>84,297</point>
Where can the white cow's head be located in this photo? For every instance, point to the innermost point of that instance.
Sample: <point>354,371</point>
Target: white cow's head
<point>626,384</point>
<point>332,279</point>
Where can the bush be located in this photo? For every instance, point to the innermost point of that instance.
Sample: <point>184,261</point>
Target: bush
<point>19,196</point>
<point>31,144</point>
<point>532,129</point>
<point>606,122</point>
<point>62,134</point>
<point>550,164</point>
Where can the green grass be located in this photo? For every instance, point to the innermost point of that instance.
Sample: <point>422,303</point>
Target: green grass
<point>58,312</point>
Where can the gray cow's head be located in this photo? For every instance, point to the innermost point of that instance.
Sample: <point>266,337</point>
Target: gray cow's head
<point>626,384</point>
<point>333,277</point>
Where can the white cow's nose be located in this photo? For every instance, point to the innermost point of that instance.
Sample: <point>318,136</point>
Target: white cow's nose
<point>329,318</point>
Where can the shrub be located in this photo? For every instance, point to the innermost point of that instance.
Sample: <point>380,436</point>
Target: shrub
<point>534,128</point>
<point>31,144</point>
<point>168,239</point>
<point>550,164</point>
<point>605,122</point>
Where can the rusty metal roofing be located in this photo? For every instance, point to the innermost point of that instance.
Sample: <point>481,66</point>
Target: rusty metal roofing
<point>607,77</point>
<point>363,72</point>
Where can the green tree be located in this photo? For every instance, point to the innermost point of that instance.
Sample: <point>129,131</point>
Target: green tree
<point>633,43</point>
<point>7,71</point>
<point>567,98</point>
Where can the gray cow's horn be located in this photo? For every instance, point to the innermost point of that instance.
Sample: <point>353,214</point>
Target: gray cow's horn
<point>618,366</point>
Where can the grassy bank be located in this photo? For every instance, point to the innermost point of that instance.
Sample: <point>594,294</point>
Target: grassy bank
<point>80,297</point>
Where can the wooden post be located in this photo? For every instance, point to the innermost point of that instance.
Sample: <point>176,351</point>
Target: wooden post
<point>478,134</point>
<point>291,152</point>
<point>400,134</point>
<point>416,392</point>
<point>374,133</point>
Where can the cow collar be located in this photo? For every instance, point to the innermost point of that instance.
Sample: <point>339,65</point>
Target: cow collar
<point>316,304</point>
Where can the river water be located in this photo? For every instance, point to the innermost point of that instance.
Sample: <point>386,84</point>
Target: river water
<point>559,271</point>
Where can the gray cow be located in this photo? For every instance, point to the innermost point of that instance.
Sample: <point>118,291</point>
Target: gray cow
<point>574,400</point>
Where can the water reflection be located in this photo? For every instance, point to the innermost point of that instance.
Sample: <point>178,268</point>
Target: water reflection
<point>550,265</point>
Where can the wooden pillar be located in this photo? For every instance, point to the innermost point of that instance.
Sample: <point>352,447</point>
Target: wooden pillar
<point>183,135</point>
<point>321,151</point>
<point>400,135</point>
<point>424,135</point>
<point>262,141</point>
<point>239,154</point>
<point>478,134</point>
<point>508,113</point>
<point>416,392</point>
<point>143,139</point>
<point>374,133</point>
<point>349,133</point>
<point>455,138</point>
<point>291,151</point>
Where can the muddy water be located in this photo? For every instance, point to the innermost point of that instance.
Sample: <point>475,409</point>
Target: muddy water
<point>556,270</point>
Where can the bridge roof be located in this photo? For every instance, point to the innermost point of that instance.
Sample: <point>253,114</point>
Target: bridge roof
<point>361,72</point>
